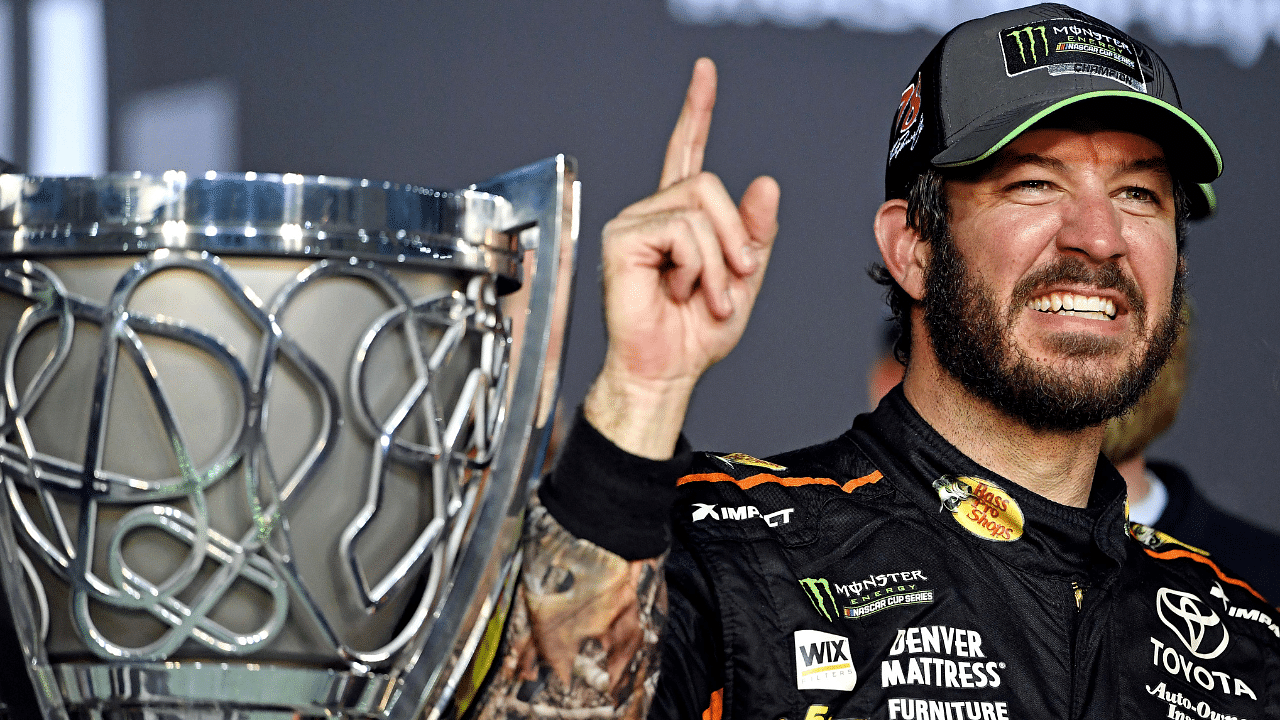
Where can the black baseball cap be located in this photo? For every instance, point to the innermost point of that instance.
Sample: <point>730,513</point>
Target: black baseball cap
<point>991,79</point>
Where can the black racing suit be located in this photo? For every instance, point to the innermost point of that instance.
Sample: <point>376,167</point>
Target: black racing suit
<point>884,574</point>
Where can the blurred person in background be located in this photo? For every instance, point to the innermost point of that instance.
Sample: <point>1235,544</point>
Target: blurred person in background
<point>1161,494</point>
<point>886,370</point>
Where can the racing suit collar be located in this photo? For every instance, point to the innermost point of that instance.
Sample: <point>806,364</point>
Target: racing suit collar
<point>1053,539</point>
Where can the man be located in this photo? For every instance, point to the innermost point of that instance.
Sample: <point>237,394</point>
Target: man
<point>961,552</point>
<point>1161,494</point>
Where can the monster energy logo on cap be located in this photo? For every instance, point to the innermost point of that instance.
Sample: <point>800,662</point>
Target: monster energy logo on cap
<point>1027,51</point>
<point>1071,46</point>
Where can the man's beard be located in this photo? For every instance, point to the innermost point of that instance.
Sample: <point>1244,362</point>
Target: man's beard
<point>973,340</point>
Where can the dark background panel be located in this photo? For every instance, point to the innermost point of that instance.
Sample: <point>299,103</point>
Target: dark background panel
<point>450,94</point>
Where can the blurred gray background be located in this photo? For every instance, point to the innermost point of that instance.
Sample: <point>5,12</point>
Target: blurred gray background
<point>447,94</point>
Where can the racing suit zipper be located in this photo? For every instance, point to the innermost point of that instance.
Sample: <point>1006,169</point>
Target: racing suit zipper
<point>1078,589</point>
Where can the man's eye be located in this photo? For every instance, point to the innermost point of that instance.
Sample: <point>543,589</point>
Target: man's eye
<point>1138,194</point>
<point>1032,185</point>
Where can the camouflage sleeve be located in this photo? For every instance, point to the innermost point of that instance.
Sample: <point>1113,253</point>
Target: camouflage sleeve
<point>582,641</point>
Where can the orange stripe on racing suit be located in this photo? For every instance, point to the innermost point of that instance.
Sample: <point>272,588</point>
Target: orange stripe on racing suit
<point>754,480</point>
<point>1171,554</point>
<point>716,707</point>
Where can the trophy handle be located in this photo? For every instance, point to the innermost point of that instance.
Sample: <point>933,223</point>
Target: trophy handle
<point>548,192</point>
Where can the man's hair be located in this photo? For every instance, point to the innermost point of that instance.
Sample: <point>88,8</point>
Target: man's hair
<point>1131,433</point>
<point>929,214</point>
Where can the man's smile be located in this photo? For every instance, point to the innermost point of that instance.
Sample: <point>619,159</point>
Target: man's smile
<point>1071,304</point>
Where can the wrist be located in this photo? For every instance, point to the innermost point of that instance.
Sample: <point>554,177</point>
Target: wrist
<point>641,416</point>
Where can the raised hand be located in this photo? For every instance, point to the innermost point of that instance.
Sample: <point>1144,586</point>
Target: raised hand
<point>682,269</point>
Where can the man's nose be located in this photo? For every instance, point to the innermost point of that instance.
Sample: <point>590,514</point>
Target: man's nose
<point>1092,226</point>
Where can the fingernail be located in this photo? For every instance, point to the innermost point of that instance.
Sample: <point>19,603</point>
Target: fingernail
<point>748,259</point>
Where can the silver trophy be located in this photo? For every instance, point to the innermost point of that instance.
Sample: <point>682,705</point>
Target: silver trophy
<point>267,439</point>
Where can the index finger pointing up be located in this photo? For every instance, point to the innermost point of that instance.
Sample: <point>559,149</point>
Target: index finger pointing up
<point>689,139</point>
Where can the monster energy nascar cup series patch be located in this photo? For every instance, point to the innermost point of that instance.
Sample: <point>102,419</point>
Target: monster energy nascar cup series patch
<point>1068,46</point>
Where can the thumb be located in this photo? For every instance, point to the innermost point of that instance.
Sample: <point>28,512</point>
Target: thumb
<point>759,211</point>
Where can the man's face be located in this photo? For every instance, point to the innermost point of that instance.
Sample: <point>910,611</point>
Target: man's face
<point>1057,296</point>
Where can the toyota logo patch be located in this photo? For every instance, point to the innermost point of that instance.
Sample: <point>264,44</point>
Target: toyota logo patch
<point>1194,622</point>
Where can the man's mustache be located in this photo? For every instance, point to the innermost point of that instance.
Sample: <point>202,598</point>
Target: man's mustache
<point>1108,276</point>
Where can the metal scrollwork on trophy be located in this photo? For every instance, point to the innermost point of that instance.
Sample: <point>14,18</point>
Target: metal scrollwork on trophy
<point>266,439</point>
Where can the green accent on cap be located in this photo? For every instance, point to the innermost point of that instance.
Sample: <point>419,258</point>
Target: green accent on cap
<point>1210,196</point>
<point>1013,134</point>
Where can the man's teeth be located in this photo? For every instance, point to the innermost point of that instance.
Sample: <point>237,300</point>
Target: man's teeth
<point>1076,305</point>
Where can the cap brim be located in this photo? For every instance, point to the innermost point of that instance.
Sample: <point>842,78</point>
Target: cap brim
<point>1192,154</point>
<point>1204,201</point>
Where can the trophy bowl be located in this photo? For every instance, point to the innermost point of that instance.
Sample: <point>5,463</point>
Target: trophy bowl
<point>267,439</point>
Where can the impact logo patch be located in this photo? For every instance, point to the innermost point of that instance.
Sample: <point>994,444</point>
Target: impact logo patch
<point>981,507</point>
<point>1065,46</point>
<point>823,662</point>
<point>704,511</point>
<point>1235,611</point>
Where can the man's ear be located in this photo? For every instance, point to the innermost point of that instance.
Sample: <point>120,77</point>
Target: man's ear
<point>904,253</point>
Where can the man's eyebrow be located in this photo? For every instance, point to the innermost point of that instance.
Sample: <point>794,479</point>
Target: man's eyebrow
<point>1157,164</point>
<point>1007,162</point>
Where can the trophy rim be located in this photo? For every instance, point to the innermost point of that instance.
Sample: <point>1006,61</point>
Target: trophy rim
<point>260,214</point>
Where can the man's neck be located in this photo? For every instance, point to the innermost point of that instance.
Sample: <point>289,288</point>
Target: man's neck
<point>1057,465</point>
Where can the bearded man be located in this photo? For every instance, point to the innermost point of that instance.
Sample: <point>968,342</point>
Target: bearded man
<point>962,551</point>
